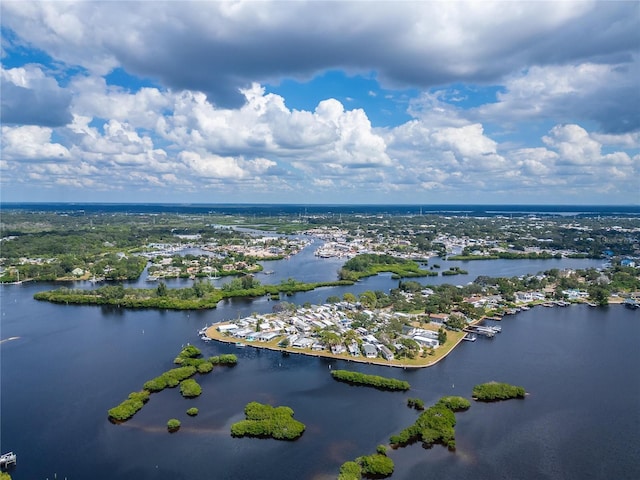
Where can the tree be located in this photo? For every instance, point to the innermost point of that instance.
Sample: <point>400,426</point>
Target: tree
<point>161,290</point>
<point>442,336</point>
<point>599,294</point>
<point>368,299</point>
<point>349,297</point>
<point>330,338</point>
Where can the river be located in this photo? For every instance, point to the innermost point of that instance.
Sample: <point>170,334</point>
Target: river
<point>70,364</point>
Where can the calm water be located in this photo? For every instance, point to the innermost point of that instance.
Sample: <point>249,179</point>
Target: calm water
<point>71,364</point>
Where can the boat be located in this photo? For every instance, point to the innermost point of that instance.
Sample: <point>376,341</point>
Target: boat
<point>470,337</point>
<point>631,303</point>
<point>240,345</point>
<point>8,459</point>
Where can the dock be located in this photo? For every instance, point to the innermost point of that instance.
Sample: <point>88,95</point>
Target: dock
<point>488,332</point>
<point>8,459</point>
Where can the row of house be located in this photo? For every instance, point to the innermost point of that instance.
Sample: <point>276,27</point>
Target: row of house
<point>301,329</point>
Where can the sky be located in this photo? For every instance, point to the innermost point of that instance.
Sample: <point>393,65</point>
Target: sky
<point>321,102</point>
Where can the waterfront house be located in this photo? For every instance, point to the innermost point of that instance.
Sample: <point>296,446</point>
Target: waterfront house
<point>370,350</point>
<point>338,349</point>
<point>303,342</point>
<point>267,336</point>
<point>427,342</point>
<point>386,353</point>
<point>227,328</point>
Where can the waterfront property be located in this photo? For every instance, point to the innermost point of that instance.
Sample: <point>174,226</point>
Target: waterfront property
<point>342,331</point>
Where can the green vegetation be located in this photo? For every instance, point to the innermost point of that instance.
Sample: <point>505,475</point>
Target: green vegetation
<point>454,271</point>
<point>357,378</point>
<point>192,412</point>
<point>173,425</point>
<point>190,351</point>
<point>205,367</point>
<point>434,425</point>
<point>190,388</point>
<point>494,391</point>
<point>5,476</point>
<point>369,264</point>
<point>350,471</point>
<point>455,404</point>
<point>415,403</point>
<point>377,465</point>
<point>228,359</point>
<point>473,257</point>
<point>169,379</point>
<point>128,408</point>
<point>267,421</point>
<point>201,295</point>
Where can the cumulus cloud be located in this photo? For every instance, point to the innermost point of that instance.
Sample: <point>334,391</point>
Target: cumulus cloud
<point>467,161</point>
<point>264,126</point>
<point>31,143</point>
<point>221,48</point>
<point>29,97</point>
<point>209,123</point>
<point>222,168</point>
<point>94,98</point>
<point>603,93</point>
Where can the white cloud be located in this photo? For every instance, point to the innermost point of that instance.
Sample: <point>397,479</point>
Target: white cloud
<point>30,97</point>
<point>223,168</point>
<point>604,93</point>
<point>92,97</point>
<point>185,45</point>
<point>31,143</point>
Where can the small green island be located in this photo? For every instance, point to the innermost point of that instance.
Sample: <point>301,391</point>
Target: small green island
<point>189,388</point>
<point>495,391</point>
<point>370,264</point>
<point>173,425</point>
<point>191,363</point>
<point>376,465</point>
<point>376,381</point>
<point>416,403</point>
<point>434,425</point>
<point>266,421</point>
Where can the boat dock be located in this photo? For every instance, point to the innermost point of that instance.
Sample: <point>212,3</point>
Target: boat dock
<point>8,460</point>
<point>488,332</point>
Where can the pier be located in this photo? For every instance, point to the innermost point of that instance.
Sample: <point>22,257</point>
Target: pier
<point>7,460</point>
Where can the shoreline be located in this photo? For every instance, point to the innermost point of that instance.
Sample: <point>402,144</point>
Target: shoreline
<point>213,334</point>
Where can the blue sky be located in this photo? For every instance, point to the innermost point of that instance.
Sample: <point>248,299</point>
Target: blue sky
<point>321,102</point>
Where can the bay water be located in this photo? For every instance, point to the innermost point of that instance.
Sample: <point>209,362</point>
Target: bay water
<point>70,364</point>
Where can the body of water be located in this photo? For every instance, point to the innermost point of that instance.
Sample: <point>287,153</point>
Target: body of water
<point>70,364</point>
